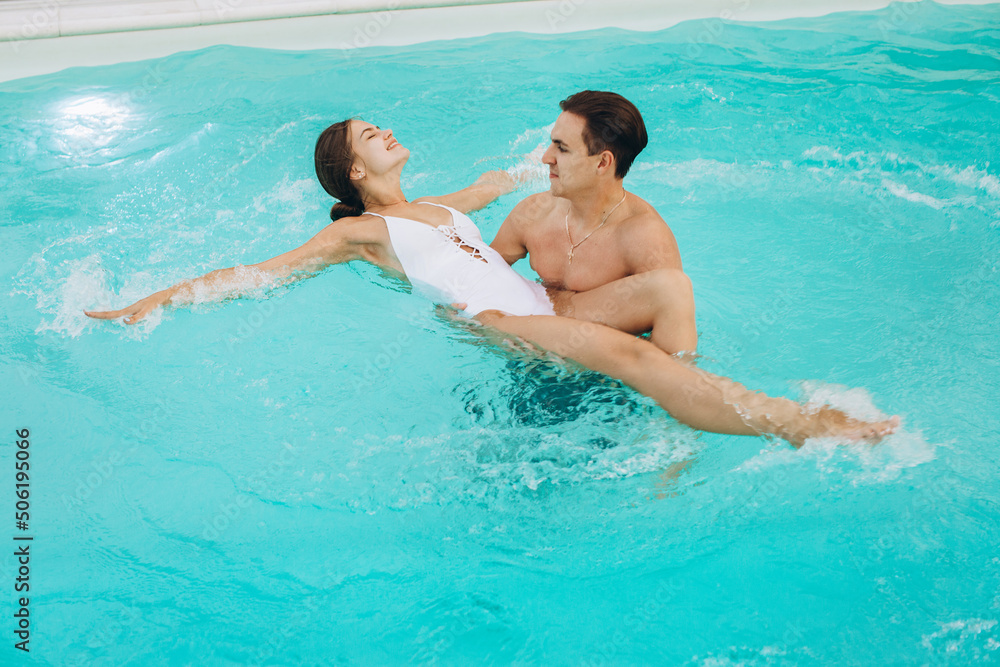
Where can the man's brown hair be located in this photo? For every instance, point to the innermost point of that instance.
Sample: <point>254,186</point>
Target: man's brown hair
<point>611,123</point>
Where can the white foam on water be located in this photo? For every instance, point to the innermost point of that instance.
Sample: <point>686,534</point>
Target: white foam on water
<point>533,135</point>
<point>963,637</point>
<point>86,288</point>
<point>266,142</point>
<point>651,456</point>
<point>970,177</point>
<point>471,462</point>
<point>529,169</point>
<point>855,402</point>
<point>745,656</point>
<point>188,143</point>
<point>711,93</point>
<point>827,153</point>
<point>900,190</point>
<point>888,163</point>
<point>561,460</point>
<point>290,203</point>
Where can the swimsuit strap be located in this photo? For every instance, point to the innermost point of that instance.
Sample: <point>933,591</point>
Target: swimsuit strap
<point>447,208</point>
<point>459,221</point>
<point>436,204</point>
<point>461,232</point>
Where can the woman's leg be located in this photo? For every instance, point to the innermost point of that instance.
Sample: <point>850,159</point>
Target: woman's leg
<point>701,400</point>
<point>660,301</point>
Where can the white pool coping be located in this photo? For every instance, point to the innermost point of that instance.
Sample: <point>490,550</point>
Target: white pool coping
<point>43,36</point>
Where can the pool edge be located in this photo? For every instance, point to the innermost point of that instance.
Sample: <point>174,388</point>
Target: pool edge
<point>355,27</point>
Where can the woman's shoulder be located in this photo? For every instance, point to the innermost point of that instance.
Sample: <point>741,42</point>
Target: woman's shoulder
<point>364,228</point>
<point>365,218</point>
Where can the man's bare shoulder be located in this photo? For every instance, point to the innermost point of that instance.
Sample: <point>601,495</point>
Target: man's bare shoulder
<point>646,239</point>
<point>643,222</point>
<point>534,208</point>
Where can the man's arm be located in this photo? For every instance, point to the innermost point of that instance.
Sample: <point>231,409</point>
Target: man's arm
<point>511,240</point>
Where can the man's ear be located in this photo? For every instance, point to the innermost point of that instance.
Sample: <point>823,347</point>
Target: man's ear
<point>607,162</point>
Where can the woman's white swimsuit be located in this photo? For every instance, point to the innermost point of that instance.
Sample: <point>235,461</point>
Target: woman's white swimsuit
<point>435,262</point>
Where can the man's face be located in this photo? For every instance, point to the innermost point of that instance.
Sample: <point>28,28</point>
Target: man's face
<point>571,169</point>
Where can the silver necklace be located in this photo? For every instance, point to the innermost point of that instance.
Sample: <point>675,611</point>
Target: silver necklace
<point>574,246</point>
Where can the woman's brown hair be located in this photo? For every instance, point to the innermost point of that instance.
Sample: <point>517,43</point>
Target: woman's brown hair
<point>334,158</point>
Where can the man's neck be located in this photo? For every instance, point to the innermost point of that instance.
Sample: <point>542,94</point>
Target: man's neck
<point>588,209</point>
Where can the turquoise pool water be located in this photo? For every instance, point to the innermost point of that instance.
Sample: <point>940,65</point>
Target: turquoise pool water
<point>331,473</point>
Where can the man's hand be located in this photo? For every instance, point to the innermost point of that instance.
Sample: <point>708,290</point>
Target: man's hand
<point>137,310</point>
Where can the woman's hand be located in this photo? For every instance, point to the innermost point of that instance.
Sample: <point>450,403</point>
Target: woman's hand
<point>501,180</point>
<point>137,310</point>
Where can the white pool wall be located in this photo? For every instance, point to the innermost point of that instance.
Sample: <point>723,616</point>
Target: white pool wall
<point>38,37</point>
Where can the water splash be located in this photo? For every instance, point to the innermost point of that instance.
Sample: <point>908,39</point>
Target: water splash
<point>862,463</point>
<point>529,169</point>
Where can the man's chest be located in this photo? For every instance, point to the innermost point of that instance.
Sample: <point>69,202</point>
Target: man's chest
<point>596,261</point>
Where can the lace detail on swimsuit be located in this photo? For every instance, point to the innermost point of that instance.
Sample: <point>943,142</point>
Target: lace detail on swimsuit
<point>452,234</point>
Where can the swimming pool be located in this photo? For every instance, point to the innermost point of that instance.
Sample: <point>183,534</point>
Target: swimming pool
<point>331,473</point>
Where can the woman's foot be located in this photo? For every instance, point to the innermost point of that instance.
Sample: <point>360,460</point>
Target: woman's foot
<point>830,422</point>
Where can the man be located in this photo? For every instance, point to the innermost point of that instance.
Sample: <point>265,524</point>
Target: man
<point>605,254</point>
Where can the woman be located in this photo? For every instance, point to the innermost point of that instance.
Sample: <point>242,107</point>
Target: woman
<point>432,243</point>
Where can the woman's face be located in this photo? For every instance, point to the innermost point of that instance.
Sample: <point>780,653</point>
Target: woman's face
<point>376,151</point>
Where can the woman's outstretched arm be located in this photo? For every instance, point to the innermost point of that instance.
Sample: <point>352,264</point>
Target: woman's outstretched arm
<point>335,244</point>
<point>487,188</point>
